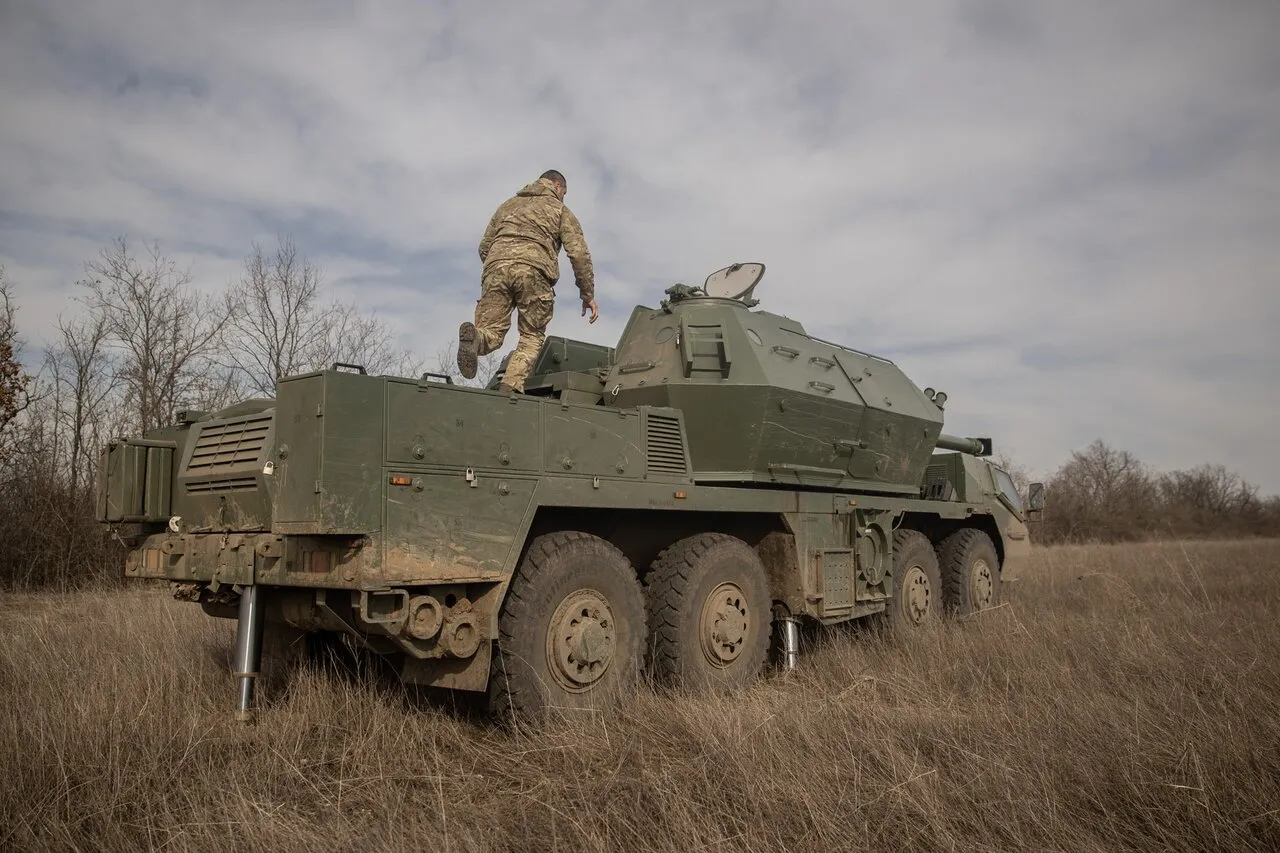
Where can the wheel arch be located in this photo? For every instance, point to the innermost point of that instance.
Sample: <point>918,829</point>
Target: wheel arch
<point>642,534</point>
<point>937,528</point>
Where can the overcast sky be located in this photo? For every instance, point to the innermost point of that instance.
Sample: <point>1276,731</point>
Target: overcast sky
<point>1066,215</point>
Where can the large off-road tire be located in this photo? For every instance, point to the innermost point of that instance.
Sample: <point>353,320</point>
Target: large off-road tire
<point>710,613</point>
<point>917,583</point>
<point>970,572</point>
<point>571,631</point>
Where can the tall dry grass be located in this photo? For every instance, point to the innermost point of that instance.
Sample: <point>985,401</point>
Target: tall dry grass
<point>1125,699</point>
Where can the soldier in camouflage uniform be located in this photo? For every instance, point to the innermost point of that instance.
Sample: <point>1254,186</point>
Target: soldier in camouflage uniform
<point>520,252</point>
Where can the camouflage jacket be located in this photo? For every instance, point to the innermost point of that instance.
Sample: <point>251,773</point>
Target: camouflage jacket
<point>530,228</point>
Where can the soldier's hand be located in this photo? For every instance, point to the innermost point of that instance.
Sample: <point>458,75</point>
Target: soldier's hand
<point>595,312</point>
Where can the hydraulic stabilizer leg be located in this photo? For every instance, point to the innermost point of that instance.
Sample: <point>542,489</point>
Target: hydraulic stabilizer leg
<point>790,628</point>
<point>248,662</point>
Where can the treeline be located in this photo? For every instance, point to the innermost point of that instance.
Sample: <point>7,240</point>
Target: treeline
<point>144,343</point>
<point>1103,494</point>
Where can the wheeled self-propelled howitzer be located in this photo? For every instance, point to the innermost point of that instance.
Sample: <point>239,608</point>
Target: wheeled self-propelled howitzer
<point>672,503</point>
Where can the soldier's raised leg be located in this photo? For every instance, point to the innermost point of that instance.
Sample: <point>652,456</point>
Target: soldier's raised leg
<point>492,321</point>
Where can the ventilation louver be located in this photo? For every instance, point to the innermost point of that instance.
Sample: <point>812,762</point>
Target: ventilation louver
<point>229,445</point>
<point>664,446</point>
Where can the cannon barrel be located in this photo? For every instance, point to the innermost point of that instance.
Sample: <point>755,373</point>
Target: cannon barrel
<point>974,446</point>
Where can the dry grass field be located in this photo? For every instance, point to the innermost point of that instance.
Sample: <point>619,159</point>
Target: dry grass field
<point>1126,698</point>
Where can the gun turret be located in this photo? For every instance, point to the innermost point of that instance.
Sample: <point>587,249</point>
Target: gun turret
<point>765,402</point>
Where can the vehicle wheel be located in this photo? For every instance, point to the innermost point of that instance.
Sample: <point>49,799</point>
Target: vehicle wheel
<point>571,631</point>
<point>970,572</point>
<point>917,582</point>
<point>710,613</point>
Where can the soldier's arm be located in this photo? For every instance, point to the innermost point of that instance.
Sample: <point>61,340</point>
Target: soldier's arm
<point>489,233</point>
<point>575,246</point>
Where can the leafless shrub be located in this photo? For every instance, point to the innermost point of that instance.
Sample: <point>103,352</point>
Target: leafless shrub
<point>1103,494</point>
<point>1209,494</point>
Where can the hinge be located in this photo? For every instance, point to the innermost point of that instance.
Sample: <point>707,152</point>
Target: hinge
<point>317,487</point>
<point>319,410</point>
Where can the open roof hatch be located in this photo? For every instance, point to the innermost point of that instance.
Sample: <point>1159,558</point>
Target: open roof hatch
<point>735,282</point>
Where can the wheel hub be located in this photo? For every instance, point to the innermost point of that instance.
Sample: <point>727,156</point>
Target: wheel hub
<point>917,596</point>
<point>581,640</point>
<point>723,624</point>
<point>981,583</point>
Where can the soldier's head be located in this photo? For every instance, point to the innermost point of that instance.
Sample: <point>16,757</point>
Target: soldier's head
<point>557,180</point>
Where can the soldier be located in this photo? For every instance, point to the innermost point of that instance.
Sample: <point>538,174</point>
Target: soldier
<point>520,252</point>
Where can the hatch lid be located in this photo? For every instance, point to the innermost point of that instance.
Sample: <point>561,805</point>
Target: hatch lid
<point>734,282</point>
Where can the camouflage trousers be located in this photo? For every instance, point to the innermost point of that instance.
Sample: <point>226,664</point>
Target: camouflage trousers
<point>514,287</point>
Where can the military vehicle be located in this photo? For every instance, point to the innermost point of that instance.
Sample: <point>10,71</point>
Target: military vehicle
<point>673,504</point>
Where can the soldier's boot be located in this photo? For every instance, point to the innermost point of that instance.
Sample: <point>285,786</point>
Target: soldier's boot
<point>505,388</point>
<point>467,350</point>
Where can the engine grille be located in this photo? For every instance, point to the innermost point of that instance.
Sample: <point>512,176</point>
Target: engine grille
<point>229,445</point>
<point>664,446</point>
<point>230,484</point>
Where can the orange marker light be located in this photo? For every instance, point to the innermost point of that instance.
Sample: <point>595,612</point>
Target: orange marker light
<point>401,480</point>
<point>681,496</point>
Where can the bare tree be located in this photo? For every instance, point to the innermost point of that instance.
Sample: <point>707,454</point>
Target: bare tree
<point>15,384</point>
<point>1210,495</point>
<point>273,328</point>
<point>84,380</point>
<point>1102,493</point>
<point>279,327</point>
<point>164,331</point>
<point>356,338</point>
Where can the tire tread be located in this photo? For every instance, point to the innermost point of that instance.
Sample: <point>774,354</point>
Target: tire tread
<point>905,540</point>
<point>953,554</point>
<point>668,585</point>
<point>507,694</point>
